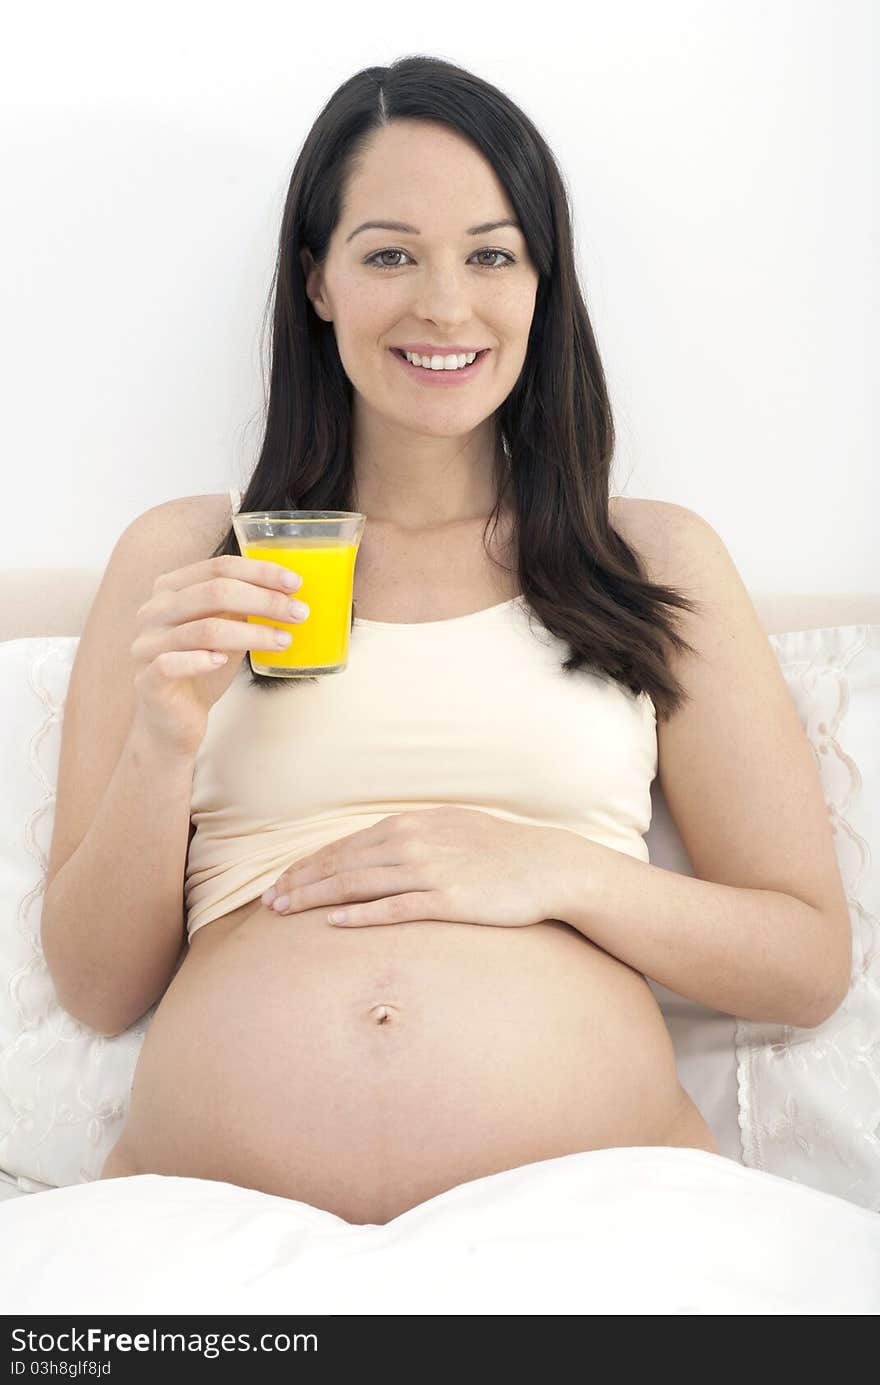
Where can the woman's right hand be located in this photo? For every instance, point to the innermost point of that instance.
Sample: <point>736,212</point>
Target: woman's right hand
<point>194,611</point>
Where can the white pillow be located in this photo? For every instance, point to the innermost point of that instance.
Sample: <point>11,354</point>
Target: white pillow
<point>64,1089</point>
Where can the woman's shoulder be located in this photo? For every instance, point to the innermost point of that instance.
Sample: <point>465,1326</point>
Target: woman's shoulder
<point>644,525</point>
<point>207,511</point>
<point>197,521</point>
<point>214,509</point>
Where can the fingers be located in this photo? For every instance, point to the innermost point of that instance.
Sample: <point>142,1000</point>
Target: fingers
<point>267,573</point>
<point>230,599</point>
<point>370,882</point>
<point>332,869</point>
<point>417,906</point>
<point>179,663</point>
<point>369,847</point>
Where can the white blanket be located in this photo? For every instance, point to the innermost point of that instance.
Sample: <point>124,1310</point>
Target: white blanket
<point>645,1230</point>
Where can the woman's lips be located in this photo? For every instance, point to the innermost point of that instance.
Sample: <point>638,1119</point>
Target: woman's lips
<point>440,379</point>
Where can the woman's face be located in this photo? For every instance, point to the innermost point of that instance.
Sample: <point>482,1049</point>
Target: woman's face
<point>439,285</point>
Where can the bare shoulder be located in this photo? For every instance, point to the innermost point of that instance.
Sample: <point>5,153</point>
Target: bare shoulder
<point>655,529</point>
<point>200,520</point>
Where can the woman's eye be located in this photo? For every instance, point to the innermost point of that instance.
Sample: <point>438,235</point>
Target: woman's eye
<point>373,259</point>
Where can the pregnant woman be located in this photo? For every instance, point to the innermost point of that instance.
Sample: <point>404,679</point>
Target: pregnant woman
<point>474,788</point>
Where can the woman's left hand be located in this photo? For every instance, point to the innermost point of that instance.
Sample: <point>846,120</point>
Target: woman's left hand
<point>438,864</point>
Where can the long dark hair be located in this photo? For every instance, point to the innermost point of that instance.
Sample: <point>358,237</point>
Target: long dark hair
<point>555,433</point>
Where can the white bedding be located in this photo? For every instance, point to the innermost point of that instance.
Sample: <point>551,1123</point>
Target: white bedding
<point>647,1230</point>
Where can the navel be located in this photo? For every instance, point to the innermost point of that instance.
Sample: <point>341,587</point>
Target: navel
<point>383,1014</point>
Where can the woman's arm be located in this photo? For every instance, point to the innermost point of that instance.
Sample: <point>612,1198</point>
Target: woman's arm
<point>762,930</point>
<point>760,954</point>
<point>114,921</point>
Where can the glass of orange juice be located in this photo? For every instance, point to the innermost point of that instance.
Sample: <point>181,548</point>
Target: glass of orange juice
<point>322,546</point>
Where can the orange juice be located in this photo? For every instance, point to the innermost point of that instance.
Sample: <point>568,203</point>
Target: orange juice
<point>327,570</point>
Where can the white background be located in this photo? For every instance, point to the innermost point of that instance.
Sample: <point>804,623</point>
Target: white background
<point>722,163</point>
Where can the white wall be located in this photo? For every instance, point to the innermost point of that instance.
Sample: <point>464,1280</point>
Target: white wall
<point>722,161</point>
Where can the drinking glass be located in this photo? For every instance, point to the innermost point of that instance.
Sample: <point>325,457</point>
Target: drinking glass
<point>322,546</point>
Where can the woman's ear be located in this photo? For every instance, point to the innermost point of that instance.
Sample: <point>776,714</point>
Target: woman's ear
<point>314,284</point>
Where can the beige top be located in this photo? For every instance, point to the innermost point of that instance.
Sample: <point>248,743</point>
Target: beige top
<point>474,711</point>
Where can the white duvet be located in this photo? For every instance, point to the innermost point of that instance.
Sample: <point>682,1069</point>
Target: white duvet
<point>644,1230</point>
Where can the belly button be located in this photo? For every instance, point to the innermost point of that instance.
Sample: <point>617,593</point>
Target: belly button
<point>382,1014</point>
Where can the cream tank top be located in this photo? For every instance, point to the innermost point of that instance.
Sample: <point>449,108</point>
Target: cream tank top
<point>473,711</point>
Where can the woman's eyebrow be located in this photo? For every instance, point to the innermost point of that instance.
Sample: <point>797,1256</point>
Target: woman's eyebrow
<point>411,230</point>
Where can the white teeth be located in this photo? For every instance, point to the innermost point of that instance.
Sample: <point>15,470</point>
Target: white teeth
<point>441,362</point>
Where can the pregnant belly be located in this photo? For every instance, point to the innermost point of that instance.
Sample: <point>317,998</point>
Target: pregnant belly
<point>366,1070</point>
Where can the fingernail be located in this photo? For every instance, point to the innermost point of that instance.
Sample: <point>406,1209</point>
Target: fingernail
<point>281,903</point>
<point>268,895</point>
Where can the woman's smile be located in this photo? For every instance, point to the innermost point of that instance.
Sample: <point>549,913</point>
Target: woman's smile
<point>442,379</point>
